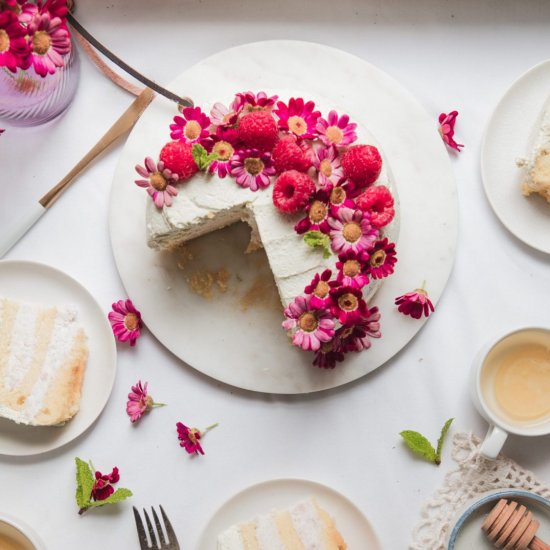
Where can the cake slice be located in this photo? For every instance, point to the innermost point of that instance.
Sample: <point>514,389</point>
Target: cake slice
<point>303,526</point>
<point>43,356</point>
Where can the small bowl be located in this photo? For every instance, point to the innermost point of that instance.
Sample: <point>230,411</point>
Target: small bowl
<point>20,533</point>
<point>467,534</point>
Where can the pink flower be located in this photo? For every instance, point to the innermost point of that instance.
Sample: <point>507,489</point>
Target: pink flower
<point>336,130</point>
<point>415,304</point>
<point>251,168</point>
<point>222,165</point>
<point>319,290</point>
<point>339,197</point>
<point>159,182</point>
<point>447,129</point>
<point>220,115</point>
<point>103,484</point>
<point>14,48</point>
<point>247,101</point>
<point>126,321</point>
<point>298,117</point>
<point>192,127</point>
<point>327,163</point>
<point>317,214</point>
<point>139,402</point>
<point>348,305</point>
<point>382,259</point>
<point>351,230</point>
<point>329,354</point>
<point>312,326</point>
<point>357,337</point>
<point>49,40</point>
<point>190,438</point>
<point>353,269</point>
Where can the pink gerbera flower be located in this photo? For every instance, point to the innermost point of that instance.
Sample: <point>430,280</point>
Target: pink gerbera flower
<point>447,129</point>
<point>251,168</point>
<point>298,117</point>
<point>415,303</point>
<point>327,163</point>
<point>49,40</point>
<point>357,337</point>
<point>126,321</point>
<point>382,259</point>
<point>312,326</point>
<point>351,230</point>
<point>319,290</point>
<point>190,438</point>
<point>139,402</point>
<point>220,115</point>
<point>248,101</point>
<point>329,354</point>
<point>353,269</point>
<point>192,127</point>
<point>338,131</point>
<point>159,182</point>
<point>103,484</point>
<point>317,214</point>
<point>348,305</point>
<point>14,48</point>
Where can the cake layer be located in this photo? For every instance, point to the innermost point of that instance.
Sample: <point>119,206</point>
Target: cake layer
<point>43,356</point>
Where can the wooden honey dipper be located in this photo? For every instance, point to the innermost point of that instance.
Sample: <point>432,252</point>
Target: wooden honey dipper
<point>512,527</point>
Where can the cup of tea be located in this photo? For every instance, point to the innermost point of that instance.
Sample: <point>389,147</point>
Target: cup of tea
<point>510,379</point>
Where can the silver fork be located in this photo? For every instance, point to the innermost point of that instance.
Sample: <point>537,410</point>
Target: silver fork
<point>158,540</point>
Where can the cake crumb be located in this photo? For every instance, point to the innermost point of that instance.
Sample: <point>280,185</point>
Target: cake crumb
<point>222,276</point>
<point>201,283</point>
<point>260,293</point>
<point>184,257</point>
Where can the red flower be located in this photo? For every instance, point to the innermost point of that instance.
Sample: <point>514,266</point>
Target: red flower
<point>103,484</point>
<point>447,129</point>
<point>382,258</point>
<point>415,304</point>
<point>329,354</point>
<point>348,305</point>
<point>14,48</point>
<point>357,337</point>
<point>190,438</point>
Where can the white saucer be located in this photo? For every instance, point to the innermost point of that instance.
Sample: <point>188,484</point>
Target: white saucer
<point>20,532</point>
<point>509,135</point>
<point>281,493</point>
<point>34,282</point>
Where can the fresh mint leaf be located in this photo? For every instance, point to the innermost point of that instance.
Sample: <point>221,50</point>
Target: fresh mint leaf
<point>441,440</point>
<point>418,444</point>
<point>201,157</point>
<point>84,483</point>
<point>118,496</point>
<point>318,239</point>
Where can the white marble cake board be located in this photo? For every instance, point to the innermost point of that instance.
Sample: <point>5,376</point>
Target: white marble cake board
<point>248,349</point>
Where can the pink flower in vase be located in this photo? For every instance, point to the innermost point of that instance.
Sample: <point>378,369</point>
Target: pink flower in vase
<point>447,129</point>
<point>158,181</point>
<point>192,127</point>
<point>251,168</point>
<point>126,321</point>
<point>351,230</point>
<point>139,402</point>
<point>190,438</point>
<point>415,304</point>
<point>337,131</point>
<point>49,40</point>
<point>14,48</point>
<point>327,163</point>
<point>298,117</point>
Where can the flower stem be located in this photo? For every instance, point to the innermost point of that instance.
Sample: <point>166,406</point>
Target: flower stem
<point>206,430</point>
<point>158,405</point>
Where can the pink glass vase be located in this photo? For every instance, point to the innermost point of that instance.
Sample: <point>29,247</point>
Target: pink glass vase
<point>27,99</point>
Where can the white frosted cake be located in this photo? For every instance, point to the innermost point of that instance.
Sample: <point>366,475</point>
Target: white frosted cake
<point>43,356</point>
<point>303,526</point>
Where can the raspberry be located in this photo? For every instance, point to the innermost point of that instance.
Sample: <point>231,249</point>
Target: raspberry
<point>258,130</point>
<point>292,191</point>
<point>362,164</point>
<point>378,201</point>
<point>178,157</point>
<point>288,155</point>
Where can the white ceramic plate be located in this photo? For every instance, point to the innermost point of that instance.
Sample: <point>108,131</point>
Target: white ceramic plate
<point>19,532</point>
<point>509,135</point>
<point>34,282</point>
<point>281,493</point>
<point>248,348</point>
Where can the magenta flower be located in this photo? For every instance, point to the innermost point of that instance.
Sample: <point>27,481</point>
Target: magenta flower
<point>415,304</point>
<point>447,129</point>
<point>348,305</point>
<point>329,354</point>
<point>103,484</point>
<point>353,269</point>
<point>251,168</point>
<point>338,131</point>
<point>190,438</point>
<point>382,259</point>
<point>2,130</point>
<point>317,214</point>
<point>298,117</point>
<point>126,321</point>
<point>139,402</point>
<point>351,230</point>
<point>357,337</point>
<point>14,48</point>
<point>247,101</point>
<point>49,40</point>
<point>327,163</point>
<point>159,182</point>
<point>192,127</point>
<point>319,290</point>
<point>312,326</point>
<point>222,164</point>
<point>220,115</point>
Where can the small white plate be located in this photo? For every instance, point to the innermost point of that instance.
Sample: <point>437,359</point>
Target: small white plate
<point>20,532</point>
<point>34,282</point>
<point>281,493</point>
<point>510,133</point>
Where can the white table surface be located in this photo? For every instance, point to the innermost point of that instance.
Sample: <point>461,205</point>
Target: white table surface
<point>451,55</point>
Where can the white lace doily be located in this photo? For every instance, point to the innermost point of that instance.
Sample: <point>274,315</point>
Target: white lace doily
<point>475,475</point>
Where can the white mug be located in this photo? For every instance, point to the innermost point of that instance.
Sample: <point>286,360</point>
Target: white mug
<point>482,384</point>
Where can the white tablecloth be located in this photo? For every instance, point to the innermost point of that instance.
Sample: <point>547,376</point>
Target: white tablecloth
<point>451,55</point>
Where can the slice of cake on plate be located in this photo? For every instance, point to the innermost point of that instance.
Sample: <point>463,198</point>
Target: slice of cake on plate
<point>43,356</point>
<point>303,526</point>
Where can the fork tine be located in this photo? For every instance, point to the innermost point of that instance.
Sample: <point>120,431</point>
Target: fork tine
<point>169,529</point>
<point>159,528</point>
<point>154,541</point>
<point>141,531</point>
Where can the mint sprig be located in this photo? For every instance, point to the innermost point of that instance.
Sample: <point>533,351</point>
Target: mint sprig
<point>201,156</point>
<point>318,239</point>
<point>419,445</point>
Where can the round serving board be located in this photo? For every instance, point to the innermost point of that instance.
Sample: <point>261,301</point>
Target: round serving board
<point>235,335</point>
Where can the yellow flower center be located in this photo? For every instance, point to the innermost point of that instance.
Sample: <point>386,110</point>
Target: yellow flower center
<point>317,212</point>
<point>41,42</point>
<point>4,41</point>
<point>297,125</point>
<point>308,322</point>
<point>378,258</point>
<point>193,435</point>
<point>158,181</point>
<point>325,168</point>
<point>351,268</point>
<point>149,402</point>
<point>348,302</point>
<point>327,347</point>
<point>131,321</point>
<point>223,149</point>
<point>334,134</point>
<point>352,232</point>
<point>253,165</point>
<point>192,130</point>
<point>337,196</point>
<point>322,289</point>
<point>346,333</point>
